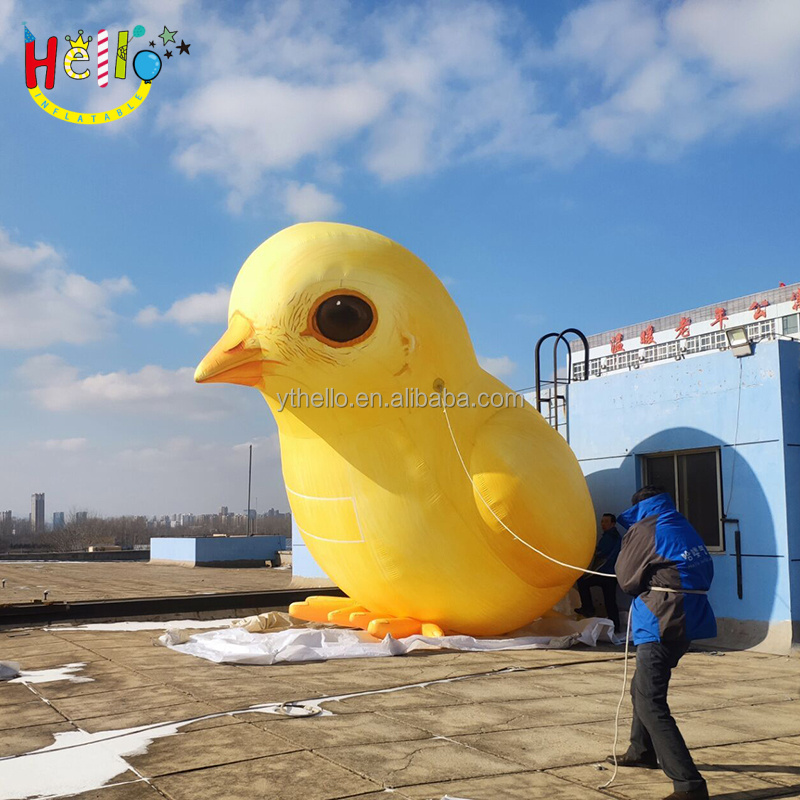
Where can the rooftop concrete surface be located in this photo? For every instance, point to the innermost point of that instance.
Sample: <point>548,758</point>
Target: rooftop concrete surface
<point>107,580</point>
<point>539,733</point>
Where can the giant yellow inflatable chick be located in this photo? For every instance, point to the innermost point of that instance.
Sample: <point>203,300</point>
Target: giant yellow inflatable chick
<point>343,331</point>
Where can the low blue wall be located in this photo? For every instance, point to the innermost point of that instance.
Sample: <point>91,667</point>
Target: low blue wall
<point>303,563</point>
<point>100,555</point>
<point>216,551</point>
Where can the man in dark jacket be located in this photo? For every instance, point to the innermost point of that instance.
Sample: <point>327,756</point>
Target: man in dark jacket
<point>605,559</point>
<point>665,565</point>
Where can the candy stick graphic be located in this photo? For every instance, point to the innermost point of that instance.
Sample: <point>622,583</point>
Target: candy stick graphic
<point>122,55</point>
<point>102,57</point>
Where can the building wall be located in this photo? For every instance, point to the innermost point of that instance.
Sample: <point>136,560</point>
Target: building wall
<point>172,550</point>
<point>790,386</point>
<point>305,570</point>
<point>37,512</point>
<point>238,550</point>
<point>720,401</point>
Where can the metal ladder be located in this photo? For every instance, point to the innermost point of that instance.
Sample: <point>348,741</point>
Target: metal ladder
<point>552,396</point>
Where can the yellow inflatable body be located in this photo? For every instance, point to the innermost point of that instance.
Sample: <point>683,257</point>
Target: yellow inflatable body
<point>346,334</point>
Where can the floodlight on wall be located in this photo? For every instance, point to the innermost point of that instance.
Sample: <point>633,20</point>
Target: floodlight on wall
<point>739,342</point>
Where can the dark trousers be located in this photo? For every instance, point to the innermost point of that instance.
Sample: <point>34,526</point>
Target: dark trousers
<point>609,587</point>
<point>654,733</point>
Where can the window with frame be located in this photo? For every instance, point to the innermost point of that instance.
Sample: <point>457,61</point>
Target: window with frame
<point>693,480</point>
<point>791,324</point>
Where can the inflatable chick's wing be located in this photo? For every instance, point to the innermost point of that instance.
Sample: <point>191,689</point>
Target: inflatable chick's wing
<point>424,519</point>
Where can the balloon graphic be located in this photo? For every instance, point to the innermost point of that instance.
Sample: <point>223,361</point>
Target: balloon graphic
<point>138,31</point>
<point>147,64</point>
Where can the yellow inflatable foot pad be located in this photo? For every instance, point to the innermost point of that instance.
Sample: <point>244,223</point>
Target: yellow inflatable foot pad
<point>317,609</point>
<point>400,627</point>
<point>345,616</point>
<point>344,612</point>
<point>431,629</point>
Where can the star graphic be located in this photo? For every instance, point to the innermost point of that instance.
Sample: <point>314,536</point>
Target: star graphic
<point>167,35</point>
<point>184,48</point>
<point>152,43</point>
<point>168,54</point>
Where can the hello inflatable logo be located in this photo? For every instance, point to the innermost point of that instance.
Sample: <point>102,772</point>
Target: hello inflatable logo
<point>146,65</point>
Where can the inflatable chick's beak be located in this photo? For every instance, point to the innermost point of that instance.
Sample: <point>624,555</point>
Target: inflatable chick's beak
<point>237,357</point>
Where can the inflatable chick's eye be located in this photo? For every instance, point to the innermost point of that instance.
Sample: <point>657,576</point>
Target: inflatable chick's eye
<point>409,511</point>
<point>339,319</point>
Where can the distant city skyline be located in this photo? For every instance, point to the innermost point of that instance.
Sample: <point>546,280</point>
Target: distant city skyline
<point>61,517</point>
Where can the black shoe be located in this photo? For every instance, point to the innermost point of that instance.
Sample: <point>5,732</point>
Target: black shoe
<point>692,794</point>
<point>627,761</point>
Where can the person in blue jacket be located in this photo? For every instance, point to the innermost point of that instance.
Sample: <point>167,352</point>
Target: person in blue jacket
<point>605,559</point>
<point>664,564</point>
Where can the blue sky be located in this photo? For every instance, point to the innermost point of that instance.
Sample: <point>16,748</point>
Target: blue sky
<point>588,164</point>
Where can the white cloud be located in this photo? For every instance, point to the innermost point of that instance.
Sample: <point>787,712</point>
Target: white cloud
<point>191,475</point>
<point>500,366</point>
<point>661,82</point>
<point>196,309</point>
<point>413,88</point>
<point>306,202</point>
<point>64,445</point>
<point>56,385</point>
<point>149,315</point>
<point>610,37</point>
<point>164,455</point>
<point>240,128</point>
<point>177,474</point>
<point>43,303</point>
<point>753,44</point>
<point>9,32</point>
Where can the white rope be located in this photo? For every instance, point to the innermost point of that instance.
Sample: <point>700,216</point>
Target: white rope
<point>568,566</point>
<point>619,704</point>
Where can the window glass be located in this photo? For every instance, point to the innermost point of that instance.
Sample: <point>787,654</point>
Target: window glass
<point>699,494</point>
<point>661,472</point>
<point>692,480</point>
<point>790,324</point>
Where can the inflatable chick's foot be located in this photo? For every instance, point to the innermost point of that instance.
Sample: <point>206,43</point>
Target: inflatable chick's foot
<point>343,611</point>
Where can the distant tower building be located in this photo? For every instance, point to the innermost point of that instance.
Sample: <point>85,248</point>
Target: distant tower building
<point>81,516</point>
<point>5,516</point>
<point>58,520</point>
<point>223,511</point>
<point>37,513</point>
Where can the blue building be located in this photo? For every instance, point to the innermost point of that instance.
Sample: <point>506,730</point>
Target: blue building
<point>216,551</point>
<point>707,404</point>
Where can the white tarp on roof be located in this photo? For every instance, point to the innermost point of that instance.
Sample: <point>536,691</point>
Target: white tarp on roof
<point>240,645</point>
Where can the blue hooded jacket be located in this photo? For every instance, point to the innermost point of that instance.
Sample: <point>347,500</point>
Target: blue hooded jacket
<point>608,549</point>
<point>662,549</point>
